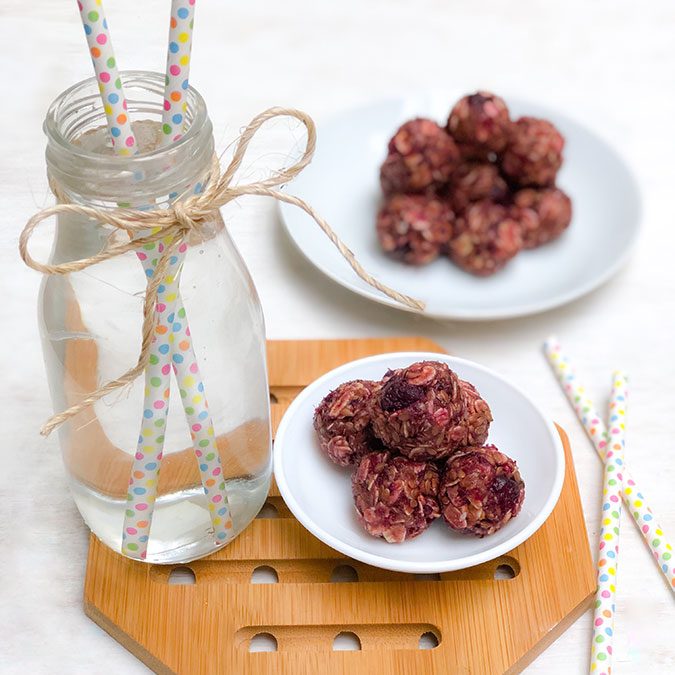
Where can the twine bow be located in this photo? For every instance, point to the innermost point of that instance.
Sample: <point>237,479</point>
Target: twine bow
<point>177,222</point>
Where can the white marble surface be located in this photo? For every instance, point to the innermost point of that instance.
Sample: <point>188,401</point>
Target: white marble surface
<point>610,63</point>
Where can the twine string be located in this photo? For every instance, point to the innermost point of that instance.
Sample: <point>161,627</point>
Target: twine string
<point>177,222</point>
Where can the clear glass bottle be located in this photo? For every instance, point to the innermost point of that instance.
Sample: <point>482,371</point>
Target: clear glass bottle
<point>90,324</point>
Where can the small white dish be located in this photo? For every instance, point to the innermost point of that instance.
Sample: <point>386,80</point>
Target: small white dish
<point>342,184</point>
<point>319,495</point>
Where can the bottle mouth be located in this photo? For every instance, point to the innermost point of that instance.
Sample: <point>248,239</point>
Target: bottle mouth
<point>104,178</point>
<point>79,109</point>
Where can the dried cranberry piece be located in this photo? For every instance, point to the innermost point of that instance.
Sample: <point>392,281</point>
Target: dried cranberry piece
<point>398,393</point>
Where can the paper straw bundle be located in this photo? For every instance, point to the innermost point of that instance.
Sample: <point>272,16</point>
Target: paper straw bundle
<point>618,482</point>
<point>172,344</point>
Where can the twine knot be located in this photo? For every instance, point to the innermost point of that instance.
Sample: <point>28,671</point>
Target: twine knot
<point>176,223</point>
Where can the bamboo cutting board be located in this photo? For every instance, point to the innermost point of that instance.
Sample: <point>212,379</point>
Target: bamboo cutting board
<point>490,619</point>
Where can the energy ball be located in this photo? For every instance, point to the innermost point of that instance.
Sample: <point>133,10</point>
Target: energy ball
<point>481,490</point>
<point>473,181</point>
<point>476,421</point>
<point>417,410</point>
<point>480,124</point>
<point>414,228</point>
<point>486,238</point>
<point>534,153</point>
<point>543,214</point>
<point>343,422</point>
<point>395,497</point>
<point>421,158</point>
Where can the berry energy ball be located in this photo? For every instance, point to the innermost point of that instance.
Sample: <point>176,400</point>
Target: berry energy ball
<point>481,490</point>
<point>534,153</point>
<point>414,228</point>
<point>421,158</point>
<point>480,124</point>
<point>473,181</point>
<point>476,421</point>
<point>418,409</point>
<point>543,214</point>
<point>486,238</point>
<point>395,497</point>
<point>343,422</point>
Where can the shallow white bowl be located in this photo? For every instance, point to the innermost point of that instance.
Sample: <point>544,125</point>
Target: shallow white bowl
<point>319,493</point>
<point>342,184</point>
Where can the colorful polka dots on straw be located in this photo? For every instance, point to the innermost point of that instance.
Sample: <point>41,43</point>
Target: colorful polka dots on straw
<point>178,68</point>
<point>633,497</point>
<point>172,349</point>
<point>109,82</point>
<point>610,529</point>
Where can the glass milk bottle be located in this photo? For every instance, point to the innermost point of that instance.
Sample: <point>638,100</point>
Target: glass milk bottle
<point>90,323</point>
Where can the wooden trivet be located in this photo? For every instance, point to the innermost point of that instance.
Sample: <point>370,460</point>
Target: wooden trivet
<point>483,623</point>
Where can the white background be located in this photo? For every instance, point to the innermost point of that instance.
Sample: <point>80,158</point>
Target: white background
<point>609,63</point>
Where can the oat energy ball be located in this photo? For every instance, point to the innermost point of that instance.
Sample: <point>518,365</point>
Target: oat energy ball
<point>476,421</point>
<point>343,422</point>
<point>480,123</point>
<point>421,158</point>
<point>481,490</point>
<point>417,410</point>
<point>543,214</point>
<point>473,181</point>
<point>486,238</point>
<point>395,497</point>
<point>414,228</point>
<point>534,153</point>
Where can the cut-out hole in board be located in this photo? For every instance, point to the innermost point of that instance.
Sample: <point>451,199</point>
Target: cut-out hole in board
<point>263,642</point>
<point>344,574</point>
<point>264,575</point>
<point>268,511</point>
<point>504,572</point>
<point>346,641</point>
<point>433,576</point>
<point>428,640</point>
<point>273,398</point>
<point>182,576</point>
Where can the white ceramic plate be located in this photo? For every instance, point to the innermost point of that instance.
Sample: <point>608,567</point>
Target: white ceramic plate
<point>319,493</point>
<point>342,185</point>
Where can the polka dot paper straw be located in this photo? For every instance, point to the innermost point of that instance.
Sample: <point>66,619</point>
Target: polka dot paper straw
<point>643,516</point>
<point>109,83</point>
<point>172,349</point>
<point>172,344</point>
<point>610,529</point>
<point>177,68</point>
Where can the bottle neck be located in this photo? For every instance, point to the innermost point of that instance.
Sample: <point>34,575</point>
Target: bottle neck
<point>79,156</point>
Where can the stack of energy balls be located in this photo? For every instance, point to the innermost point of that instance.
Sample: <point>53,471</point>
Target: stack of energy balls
<point>415,441</point>
<point>479,190</point>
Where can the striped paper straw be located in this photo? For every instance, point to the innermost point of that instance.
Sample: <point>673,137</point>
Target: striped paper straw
<point>109,83</point>
<point>595,428</point>
<point>177,68</point>
<point>610,529</point>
